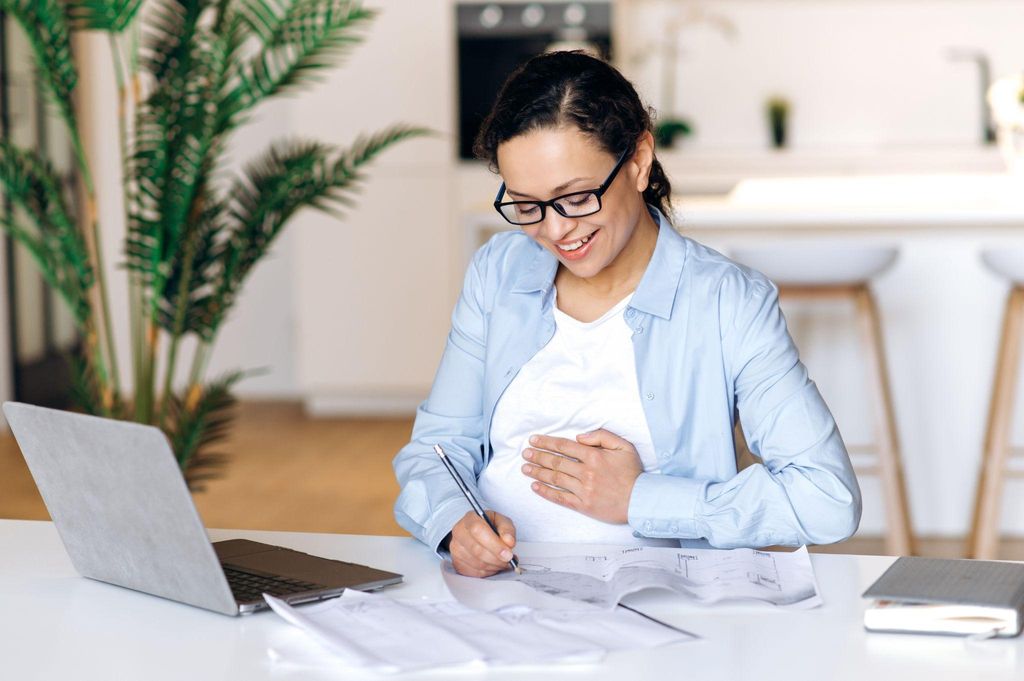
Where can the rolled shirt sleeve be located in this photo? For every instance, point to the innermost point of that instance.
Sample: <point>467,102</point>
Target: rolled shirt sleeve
<point>430,503</point>
<point>804,490</point>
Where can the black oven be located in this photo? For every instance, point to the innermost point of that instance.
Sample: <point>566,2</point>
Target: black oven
<point>495,37</point>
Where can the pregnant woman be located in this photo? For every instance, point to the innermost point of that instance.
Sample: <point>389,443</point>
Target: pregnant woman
<point>598,360</point>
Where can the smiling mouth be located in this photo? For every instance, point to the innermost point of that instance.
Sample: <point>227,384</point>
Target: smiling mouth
<point>568,248</point>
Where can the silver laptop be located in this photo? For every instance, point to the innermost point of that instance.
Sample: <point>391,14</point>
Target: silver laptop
<point>125,515</point>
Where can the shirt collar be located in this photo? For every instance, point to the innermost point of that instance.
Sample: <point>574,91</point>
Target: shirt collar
<point>656,292</point>
<point>540,274</point>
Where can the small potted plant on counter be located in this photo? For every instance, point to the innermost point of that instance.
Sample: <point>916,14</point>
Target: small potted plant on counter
<point>777,109</point>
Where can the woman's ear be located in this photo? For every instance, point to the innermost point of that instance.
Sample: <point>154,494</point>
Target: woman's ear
<point>644,158</point>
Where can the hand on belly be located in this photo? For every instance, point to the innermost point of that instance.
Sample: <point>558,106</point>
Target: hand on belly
<point>593,474</point>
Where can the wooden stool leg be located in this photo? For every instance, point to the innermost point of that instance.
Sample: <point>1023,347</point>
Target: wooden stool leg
<point>984,541</point>
<point>899,539</point>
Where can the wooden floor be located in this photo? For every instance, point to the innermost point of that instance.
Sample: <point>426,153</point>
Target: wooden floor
<point>286,472</point>
<point>291,472</point>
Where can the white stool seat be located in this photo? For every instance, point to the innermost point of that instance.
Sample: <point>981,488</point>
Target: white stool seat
<point>818,264</point>
<point>1006,262</point>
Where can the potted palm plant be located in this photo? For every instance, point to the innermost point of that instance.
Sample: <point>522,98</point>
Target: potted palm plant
<point>189,73</point>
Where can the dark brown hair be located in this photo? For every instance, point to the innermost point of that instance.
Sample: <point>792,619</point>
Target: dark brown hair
<point>560,88</point>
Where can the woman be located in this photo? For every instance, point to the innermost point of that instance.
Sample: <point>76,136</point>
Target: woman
<point>597,359</point>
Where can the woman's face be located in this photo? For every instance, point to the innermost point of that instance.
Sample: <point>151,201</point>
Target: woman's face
<point>543,164</point>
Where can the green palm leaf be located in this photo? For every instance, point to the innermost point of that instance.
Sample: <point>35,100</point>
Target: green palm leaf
<point>55,244</point>
<point>298,43</point>
<point>112,16</point>
<point>175,149</point>
<point>168,30</point>
<point>199,261</point>
<point>47,25</point>
<point>273,188</point>
<point>193,428</point>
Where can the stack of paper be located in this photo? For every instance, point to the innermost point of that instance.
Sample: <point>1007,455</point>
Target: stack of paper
<point>377,633</point>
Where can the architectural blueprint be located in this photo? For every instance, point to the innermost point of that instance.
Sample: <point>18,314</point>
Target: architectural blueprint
<point>600,578</point>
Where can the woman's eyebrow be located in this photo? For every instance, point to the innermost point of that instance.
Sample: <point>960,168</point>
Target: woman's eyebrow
<point>555,191</point>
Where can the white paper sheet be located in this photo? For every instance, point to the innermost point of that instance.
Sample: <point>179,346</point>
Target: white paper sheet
<point>376,633</point>
<point>600,579</point>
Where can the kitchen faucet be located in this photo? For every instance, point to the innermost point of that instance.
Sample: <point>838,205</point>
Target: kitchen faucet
<point>988,133</point>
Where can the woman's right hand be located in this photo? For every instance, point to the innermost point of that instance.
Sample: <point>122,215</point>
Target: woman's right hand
<point>478,552</point>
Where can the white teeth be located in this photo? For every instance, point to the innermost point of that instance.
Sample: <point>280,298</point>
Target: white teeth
<point>573,246</point>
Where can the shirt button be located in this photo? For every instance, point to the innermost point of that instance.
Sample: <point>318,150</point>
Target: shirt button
<point>650,396</point>
<point>665,455</point>
<point>639,329</point>
<point>647,526</point>
<point>630,313</point>
<point>674,529</point>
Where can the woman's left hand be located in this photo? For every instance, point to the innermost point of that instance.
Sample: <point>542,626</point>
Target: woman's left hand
<point>593,474</point>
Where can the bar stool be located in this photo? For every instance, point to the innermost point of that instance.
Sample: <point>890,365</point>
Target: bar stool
<point>817,271</point>
<point>998,456</point>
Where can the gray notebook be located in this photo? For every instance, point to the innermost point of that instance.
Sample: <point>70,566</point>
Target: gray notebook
<point>951,596</point>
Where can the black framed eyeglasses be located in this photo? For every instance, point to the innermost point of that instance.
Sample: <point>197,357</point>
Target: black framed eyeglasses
<point>574,205</point>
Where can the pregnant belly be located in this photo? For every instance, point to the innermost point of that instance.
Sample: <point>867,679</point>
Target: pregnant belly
<point>506,489</point>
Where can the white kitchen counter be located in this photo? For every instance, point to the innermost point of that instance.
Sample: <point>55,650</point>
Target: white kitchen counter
<point>884,202</point>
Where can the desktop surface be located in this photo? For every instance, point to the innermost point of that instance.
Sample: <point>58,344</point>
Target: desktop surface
<point>57,625</point>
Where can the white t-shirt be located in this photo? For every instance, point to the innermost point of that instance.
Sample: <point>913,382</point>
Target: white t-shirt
<point>582,380</point>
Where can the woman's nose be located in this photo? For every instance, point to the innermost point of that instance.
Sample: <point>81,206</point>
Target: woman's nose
<point>557,226</point>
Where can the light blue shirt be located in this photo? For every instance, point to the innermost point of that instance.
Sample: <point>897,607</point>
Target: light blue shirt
<point>709,341</point>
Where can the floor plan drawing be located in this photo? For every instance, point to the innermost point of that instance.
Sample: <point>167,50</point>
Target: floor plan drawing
<point>706,575</point>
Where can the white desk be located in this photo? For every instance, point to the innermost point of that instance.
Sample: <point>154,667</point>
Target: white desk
<point>55,625</point>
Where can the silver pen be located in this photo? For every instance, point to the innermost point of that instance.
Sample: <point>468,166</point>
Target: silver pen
<point>514,564</point>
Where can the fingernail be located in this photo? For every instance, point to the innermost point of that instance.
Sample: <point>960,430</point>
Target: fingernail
<point>535,486</point>
<point>528,454</point>
<point>533,439</point>
<point>506,555</point>
<point>527,468</point>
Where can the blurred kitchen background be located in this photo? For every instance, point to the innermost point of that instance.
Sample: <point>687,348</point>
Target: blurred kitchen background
<point>848,124</point>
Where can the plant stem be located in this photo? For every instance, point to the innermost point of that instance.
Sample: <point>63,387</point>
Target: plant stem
<point>94,356</point>
<point>99,303</point>
<point>179,323</point>
<point>199,360</point>
<point>144,397</point>
<point>134,280</point>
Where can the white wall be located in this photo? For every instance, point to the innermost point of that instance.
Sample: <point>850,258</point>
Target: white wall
<point>374,291</point>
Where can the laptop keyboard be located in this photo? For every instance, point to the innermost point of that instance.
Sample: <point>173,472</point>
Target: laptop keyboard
<point>247,586</point>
